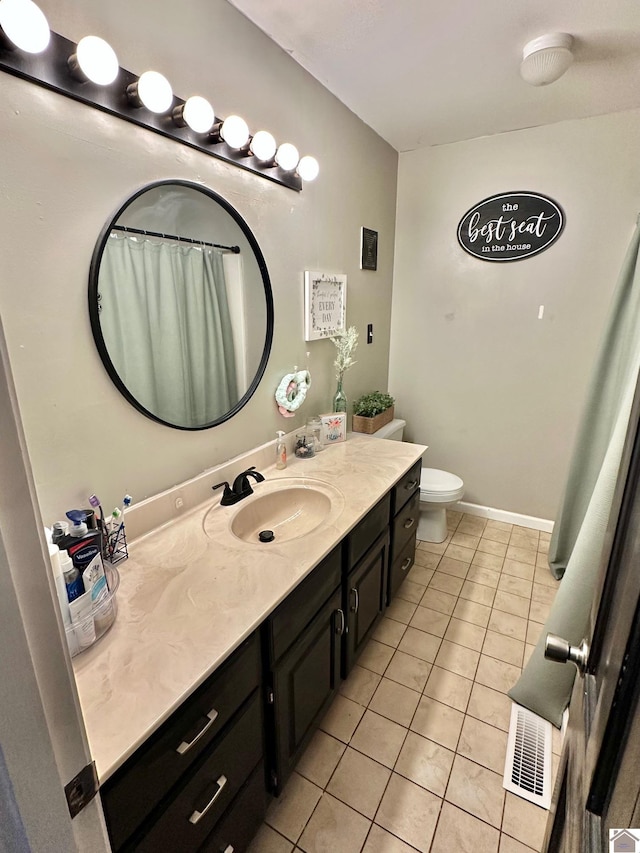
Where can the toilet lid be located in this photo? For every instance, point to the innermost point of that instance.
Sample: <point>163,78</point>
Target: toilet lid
<point>434,480</point>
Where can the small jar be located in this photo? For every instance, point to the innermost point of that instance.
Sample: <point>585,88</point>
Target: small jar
<point>305,445</point>
<point>314,428</point>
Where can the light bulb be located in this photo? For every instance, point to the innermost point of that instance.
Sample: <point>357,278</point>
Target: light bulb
<point>25,25</point>
<point>308,168</point>
<point>96,60</point>
<point>154,91</point>
<point>198,114</point>
<point>263,145</point>
<point>287,156</point>
<point>234,131</point>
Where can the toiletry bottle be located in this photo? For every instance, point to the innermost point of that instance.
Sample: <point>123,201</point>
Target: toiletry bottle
<point>71,575</point>
<point>281,451</point>
<point>61,587</point>
<point>83,546</point>
<point>59,532</point>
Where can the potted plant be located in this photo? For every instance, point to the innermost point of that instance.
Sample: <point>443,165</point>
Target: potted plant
<point>372,411</point>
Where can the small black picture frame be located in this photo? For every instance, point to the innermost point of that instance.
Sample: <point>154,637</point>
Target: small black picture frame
<point>368,249</point>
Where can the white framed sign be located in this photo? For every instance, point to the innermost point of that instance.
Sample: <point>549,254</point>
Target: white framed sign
<point>325,304</point>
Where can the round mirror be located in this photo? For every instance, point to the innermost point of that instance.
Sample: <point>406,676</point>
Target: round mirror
<point>181,306</point>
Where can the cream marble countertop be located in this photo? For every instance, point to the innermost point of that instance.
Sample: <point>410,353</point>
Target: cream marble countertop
<point>191,592</point>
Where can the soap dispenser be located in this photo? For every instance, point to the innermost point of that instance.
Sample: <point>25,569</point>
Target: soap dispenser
<point>281,451</point>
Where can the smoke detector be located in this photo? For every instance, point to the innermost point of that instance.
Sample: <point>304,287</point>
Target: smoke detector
<point>545,59</point>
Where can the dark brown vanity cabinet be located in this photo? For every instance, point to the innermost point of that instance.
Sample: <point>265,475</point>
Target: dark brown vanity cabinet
<point>405,512</point>
<point>302,640</point>
<point>185,779</point>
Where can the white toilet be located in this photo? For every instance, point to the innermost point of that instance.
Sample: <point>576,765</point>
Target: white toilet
<point>438,491</point>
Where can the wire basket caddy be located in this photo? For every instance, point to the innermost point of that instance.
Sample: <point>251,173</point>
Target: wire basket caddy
<point>115,546</point>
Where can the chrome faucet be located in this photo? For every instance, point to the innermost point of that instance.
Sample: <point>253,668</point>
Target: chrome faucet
<point>241,487</point>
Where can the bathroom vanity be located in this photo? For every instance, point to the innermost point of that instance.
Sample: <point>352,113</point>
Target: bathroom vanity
<point>227,651</point>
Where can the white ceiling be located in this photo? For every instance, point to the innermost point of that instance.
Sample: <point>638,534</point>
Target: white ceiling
<point>428,72</point>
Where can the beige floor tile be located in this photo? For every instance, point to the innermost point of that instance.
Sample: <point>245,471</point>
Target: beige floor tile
<point>542,592</point>
<point>360,685</point>
<point>341,719</point>
<point>438,722</point>
<point>544,576</point>
<point>490,706</point>
<point>425,619</point>
<point>524,821</point>
<point>408,670</point>
<point>518,570</point>
<point>499,525</point>
<point>320,758</point>
<point>411,591</point>
<point>459,552</point>
<point>467,540</point>
<point>528,651</point>
<point>496,674</point>
<point>487,577</point>
<point>293,808</point>
<point>477,592</point>
<point>510,845</point>
<point>381,841</point>
<point>334,828</point>
<point>426,763</point>
<point>556,741</point>
<point>472,525</point>
<point>516,586</point>
<point>538,611</point>
<point>476,790</point>
<point>268,840</point>
<point>446,583</point>
<point>461,832</point>
<point>527,540</point>
<point>410,812</point>
<point>534,630</point>
<point>542,561</point>
<point>449,688</point>
<point>465,634</point>
<point>426,559</point>
<point>543,547</point>
<point>503,648</point>
<point>457,659</point>
<point>376,656</point>
<point>510,603</point>
<point>420,575</point>
<point>490,546</point>
<point>487,561</point>
<point>389,632</point>
<point>420,644</point>
<point>522,555</point>
<point>435,547</point>
<point>440,601</point>
<point>484,744</point>
<point>453,567</point>
<point>401,610</point>
<point>496,535</point>
<point>544,536</point>
<point>471,611</point>
<point>508,624</point>
<point>359,782</point>
<point>379,738</point>
<point>395,701</point>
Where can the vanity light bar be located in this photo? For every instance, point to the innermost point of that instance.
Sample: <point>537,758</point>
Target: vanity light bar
<point>50,68</point>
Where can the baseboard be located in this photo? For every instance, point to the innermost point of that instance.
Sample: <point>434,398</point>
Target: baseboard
<point>503,515</point>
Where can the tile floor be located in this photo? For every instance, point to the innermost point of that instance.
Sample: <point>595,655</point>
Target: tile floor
<point>411,753</point>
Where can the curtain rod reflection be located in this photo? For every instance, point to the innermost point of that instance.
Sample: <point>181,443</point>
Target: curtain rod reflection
<point>234,249</point>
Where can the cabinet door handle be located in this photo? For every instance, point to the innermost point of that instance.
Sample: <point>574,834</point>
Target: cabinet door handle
<point>409,523</point>
<point>411,485</point>
<point>186,745</point>
<point>406,564</point>
<point>340,630</point>
<point>356,603</point>
<point>198,815</point>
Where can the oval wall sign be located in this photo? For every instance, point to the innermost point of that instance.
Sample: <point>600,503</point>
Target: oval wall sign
<point>510,226</point>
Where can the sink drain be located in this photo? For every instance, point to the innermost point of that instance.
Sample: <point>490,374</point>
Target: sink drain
<point>266,536</point>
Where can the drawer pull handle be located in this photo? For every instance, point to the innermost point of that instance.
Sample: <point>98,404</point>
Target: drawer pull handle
<point>411,485</point>
<point>340,630</point>
<point>186,745</point>
<point>228,849</point>
<point>406,564</point>
<point>356,603</point>
<point>409,523</point>
<point>198,815</point>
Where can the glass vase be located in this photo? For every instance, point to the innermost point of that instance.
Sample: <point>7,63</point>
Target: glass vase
<point>339,399</point>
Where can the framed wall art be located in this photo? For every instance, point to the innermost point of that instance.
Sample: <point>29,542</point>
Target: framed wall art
<point>325,304</point>
<point>368,249</point>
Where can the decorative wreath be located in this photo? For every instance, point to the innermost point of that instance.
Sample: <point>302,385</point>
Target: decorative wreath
<point>291,392</point>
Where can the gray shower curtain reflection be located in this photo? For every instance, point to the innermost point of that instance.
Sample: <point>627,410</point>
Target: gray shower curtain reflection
<point>165,320</point>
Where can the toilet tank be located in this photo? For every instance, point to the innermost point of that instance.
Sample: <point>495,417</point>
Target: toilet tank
<point>394,430</point>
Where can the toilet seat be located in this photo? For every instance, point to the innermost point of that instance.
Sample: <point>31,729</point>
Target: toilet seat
<point>440,486</point>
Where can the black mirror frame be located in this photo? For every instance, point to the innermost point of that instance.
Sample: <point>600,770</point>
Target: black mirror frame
<point>94,303</point>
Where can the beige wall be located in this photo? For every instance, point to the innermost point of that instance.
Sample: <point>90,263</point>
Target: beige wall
<point>67,168</point>
<point>494,391</point>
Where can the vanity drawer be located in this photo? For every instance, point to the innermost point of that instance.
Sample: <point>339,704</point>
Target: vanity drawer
<point>186,822</point>
<point>287,622</point>
<point>405,524</point>
<point>134,790</point>
<point>367,531</point>
<point>243,818</point>
<point>406,487</point>
<point>401,566</point>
